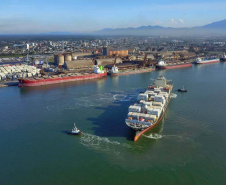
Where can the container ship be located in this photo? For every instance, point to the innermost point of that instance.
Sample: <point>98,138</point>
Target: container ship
<point>207,60</point>
<point>151,108</point>
<point>163,65</point>
<point>46,80</point>
<point>116,72</point>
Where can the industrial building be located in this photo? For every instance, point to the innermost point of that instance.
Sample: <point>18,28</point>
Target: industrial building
<point>112,52</point>
<point>78,64</point>
<point>107,61</point>
<point>61,58</point>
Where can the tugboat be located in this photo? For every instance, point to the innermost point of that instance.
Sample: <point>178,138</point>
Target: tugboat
<point>183,89</point>
<point>75,131</point>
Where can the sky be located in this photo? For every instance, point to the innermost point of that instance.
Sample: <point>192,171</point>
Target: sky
<point>42,16</point>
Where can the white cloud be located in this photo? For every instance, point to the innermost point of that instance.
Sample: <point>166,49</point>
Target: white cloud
<point>181,21</point>
<point>172,21</point>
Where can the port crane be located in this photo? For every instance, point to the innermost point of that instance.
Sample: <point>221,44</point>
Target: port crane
<point>144,63</point>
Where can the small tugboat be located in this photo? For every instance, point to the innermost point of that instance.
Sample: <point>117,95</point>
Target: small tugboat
<point>183,89</point>
<point>75,131</point>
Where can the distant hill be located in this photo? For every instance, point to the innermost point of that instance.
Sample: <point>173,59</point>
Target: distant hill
<point>57,33</point>
<point>216,28</point>
<point>218,25</point>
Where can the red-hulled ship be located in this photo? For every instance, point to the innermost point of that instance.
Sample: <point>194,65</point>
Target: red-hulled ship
<point>45,80</point>
<point>163,65</point>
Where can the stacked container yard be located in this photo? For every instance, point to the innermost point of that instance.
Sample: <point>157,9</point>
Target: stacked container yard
<point>18,71</point>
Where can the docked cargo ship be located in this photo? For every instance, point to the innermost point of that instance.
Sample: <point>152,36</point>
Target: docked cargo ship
<point>46,80</point>
<point>173,65</point>
<point>151,108</point>
<point>207,60</point>
<point>116,72</point>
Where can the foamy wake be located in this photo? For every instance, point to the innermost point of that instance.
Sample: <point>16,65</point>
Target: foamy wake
<point>159,136</point>
<point>102,99</point>
<point>173,95</point>
<point>153,136</point>
<point>103,144</point>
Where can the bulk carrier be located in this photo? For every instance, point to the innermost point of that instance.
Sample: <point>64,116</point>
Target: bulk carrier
<point>46,80</point>
<point>116,72</point>
<point>173,65</point>
<point>143,68</point>
<point>207,60</point>
<point>151,108</point>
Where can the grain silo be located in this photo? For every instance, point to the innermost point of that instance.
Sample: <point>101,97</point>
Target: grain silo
<point>67,57</point>
<point>60,59</point>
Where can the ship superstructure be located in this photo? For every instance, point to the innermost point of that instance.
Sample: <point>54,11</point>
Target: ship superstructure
<point>151,107</point>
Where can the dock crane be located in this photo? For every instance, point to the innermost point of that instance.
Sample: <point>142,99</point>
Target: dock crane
<point>144,63</point>
<point>115,60</point>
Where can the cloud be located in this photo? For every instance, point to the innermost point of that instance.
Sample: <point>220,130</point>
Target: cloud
<point>181,21</point>
<point>175,22</point>
<point>172,21</point>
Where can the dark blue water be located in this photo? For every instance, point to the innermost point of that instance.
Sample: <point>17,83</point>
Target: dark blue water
<point>187,147</point>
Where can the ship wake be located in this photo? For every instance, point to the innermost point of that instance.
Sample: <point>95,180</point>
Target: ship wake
<point>102,99</point>
<point>173,95</point>
<point>153,136</point>
<point>103,144</point>
<point>160,136</point>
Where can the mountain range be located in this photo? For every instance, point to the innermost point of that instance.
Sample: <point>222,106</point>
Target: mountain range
<point>215,28</point>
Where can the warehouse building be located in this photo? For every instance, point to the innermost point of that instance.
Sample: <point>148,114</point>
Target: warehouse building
<point>112,52</point>
<point>78,64</point>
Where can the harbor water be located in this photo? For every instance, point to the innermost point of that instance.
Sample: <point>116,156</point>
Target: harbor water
<point>187,147</point>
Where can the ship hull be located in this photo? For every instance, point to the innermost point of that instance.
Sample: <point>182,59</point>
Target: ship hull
<point>139,133</point>
<point>223,59</point>
<point>131,72</point>
<point>175,66</point>
<point>29,82</point>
